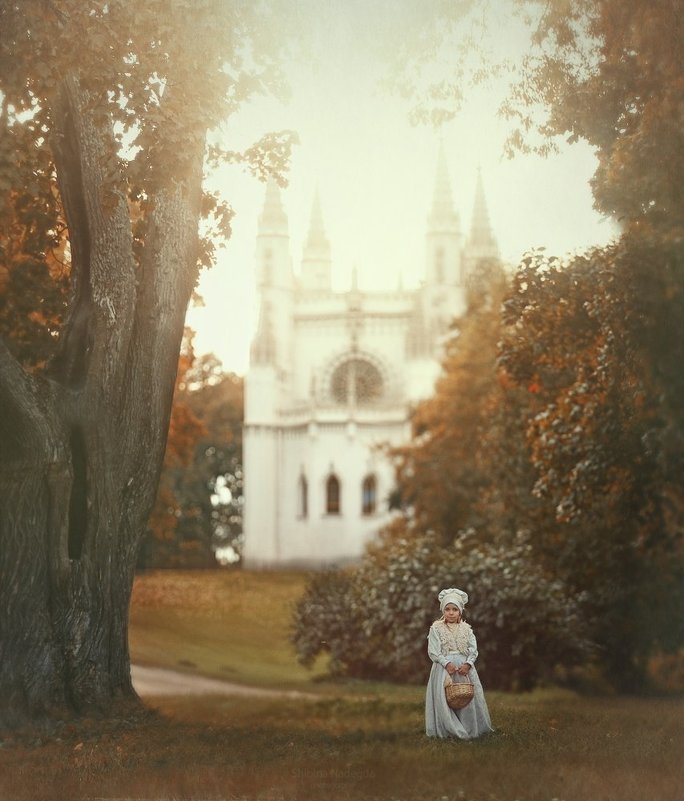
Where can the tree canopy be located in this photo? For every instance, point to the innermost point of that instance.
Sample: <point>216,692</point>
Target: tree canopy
<point>197,518</point>
<point>610,73</point>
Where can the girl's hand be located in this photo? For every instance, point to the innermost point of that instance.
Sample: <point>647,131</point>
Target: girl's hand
<point>450,668</point>
<point>464,669</point>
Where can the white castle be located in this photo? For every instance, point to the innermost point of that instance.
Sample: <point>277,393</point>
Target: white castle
<point>333,375</point>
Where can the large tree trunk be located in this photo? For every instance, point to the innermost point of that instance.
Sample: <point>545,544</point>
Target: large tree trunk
<point>81,447</point>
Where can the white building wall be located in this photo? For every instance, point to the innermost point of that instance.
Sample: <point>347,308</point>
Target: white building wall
<point>261,451</point>
<point>312,434</point>
<point>314,451</point>
<point>295,427</point>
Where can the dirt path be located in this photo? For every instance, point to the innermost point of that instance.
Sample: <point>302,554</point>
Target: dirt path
<point>151,681</point>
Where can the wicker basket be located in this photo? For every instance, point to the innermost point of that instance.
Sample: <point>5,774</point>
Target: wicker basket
<point>459,694</point>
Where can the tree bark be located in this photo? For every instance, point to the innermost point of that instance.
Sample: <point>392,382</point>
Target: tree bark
<point>81,446</point>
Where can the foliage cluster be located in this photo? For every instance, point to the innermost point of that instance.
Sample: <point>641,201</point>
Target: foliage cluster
<point>610,73</point>
<point>605,433</point>
<point>34,257</point>
<point>199,501</point>
<point>373,621</point>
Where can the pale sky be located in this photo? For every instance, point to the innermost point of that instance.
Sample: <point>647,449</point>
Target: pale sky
<point>375,175</point>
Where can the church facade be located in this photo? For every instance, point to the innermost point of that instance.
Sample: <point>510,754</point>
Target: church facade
<point>333,376</point>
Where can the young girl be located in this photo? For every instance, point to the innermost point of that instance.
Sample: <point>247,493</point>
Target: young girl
<point>453,650</point>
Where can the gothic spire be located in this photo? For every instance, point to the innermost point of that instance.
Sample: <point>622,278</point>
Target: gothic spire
<point>481,237</point>
<point>481,242</point>
<point>316,260</point>
<point>273,219</point>
<point>317,244</point>
<point>443,217</point>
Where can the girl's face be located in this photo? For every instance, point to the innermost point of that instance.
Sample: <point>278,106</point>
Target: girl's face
<point>452,614</point>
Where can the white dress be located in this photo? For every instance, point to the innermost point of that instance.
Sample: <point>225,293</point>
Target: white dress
<point>453,643</point>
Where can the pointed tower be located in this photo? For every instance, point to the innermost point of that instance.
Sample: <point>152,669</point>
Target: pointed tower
<point>316,261</point>
<point>273,242</point>
<point>442,295</point>
<point>443,262</point>
<point>274,278</point>
<point>443,217</point>
<point>481,242</point>
<point>267,379</point>
<point>270,353</point>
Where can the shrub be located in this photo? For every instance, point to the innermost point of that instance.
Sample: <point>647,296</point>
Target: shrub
<point>373,619</point>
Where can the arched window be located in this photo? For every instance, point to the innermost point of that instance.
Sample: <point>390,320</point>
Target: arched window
<point>303,497</point>
<point>356,382</point>
<point>332,495</point>
<point>369,495</point>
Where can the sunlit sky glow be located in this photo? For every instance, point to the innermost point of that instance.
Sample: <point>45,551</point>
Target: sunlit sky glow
<point>375,174</point>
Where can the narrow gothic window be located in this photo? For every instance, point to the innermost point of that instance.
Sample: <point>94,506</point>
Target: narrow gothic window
<point>332,495</point>
<point>369,495</point>
<point>303,497</point>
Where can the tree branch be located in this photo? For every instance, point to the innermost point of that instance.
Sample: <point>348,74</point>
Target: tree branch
<point>168,274</point>
<point>103,269</point>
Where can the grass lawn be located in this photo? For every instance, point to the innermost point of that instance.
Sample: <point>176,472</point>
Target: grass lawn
<point>232,625</point>
<point>356,741</point>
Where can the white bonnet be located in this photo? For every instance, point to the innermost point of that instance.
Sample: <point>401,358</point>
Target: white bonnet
<point>452,596</point>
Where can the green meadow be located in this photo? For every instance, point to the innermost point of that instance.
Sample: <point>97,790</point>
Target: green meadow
<point>361,741</point>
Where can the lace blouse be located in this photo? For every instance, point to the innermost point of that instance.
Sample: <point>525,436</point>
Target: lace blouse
<point>454,638</point>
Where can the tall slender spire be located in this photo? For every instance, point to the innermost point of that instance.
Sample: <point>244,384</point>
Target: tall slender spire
<point>443,217</point>
<point>274,269</point>
<point>273,219</point>
<point>316,260</point>
<point>481,239</point>
<point>481,247</point>
<point>317,244</point>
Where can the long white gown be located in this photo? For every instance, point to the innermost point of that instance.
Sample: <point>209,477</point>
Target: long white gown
<point>454,643</point>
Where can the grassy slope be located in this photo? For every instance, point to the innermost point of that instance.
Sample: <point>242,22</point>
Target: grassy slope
<point>362,742</point>
<point>227,624</point>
